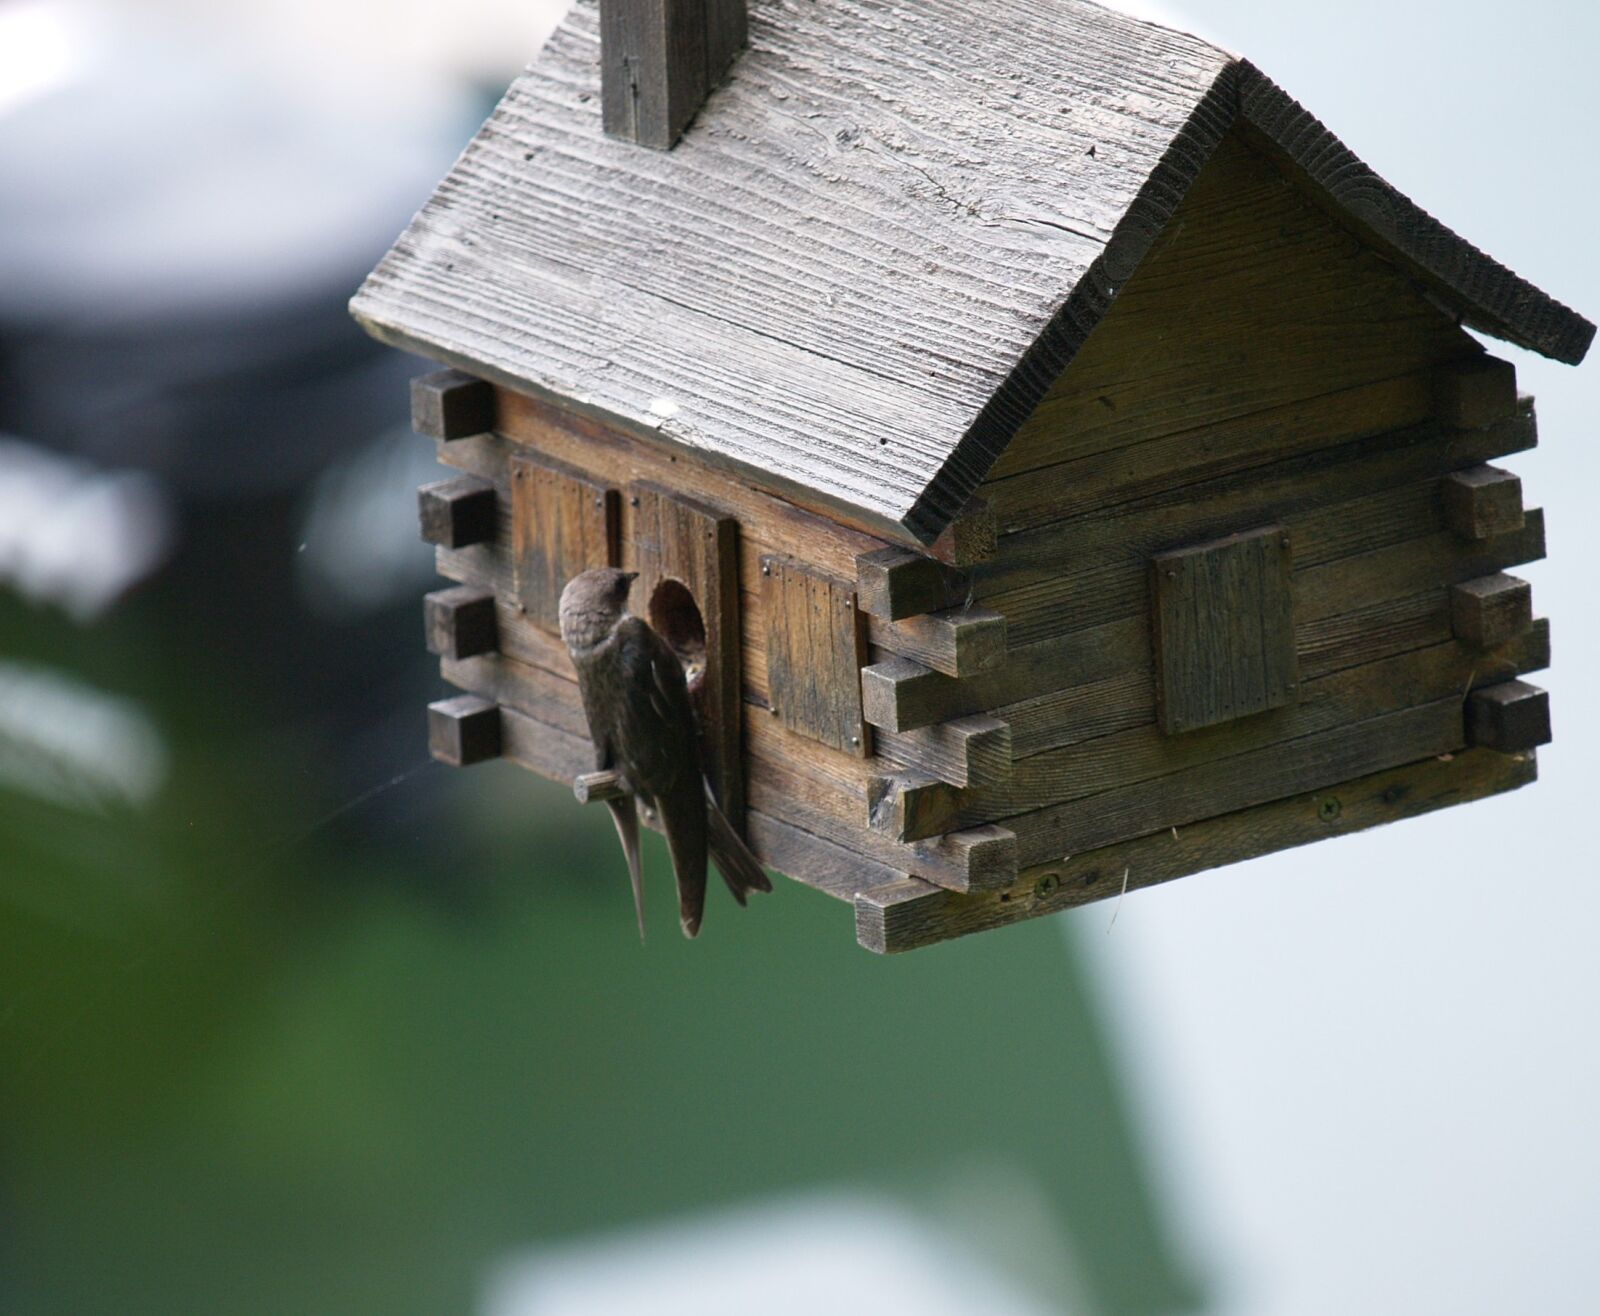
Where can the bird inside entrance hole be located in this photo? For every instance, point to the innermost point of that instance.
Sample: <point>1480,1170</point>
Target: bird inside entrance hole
<point>642,723</point>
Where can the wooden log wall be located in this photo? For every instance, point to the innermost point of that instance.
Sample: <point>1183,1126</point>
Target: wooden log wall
<point>1323,395</point>
<point>796,787</point>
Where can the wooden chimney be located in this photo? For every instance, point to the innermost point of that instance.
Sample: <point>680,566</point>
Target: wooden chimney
<point>660,59</point>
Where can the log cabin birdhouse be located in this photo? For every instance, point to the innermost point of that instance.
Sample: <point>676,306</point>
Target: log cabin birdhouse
<point>1062,465</point>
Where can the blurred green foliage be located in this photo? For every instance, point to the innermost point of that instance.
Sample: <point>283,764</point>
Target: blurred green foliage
<point>260,1053</point>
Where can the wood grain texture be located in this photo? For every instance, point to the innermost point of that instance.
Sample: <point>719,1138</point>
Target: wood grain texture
<point>1088,765</point>
<point>562,524</point>
<point>1087,569</point>
<point>1294,310</point>
<point>907,914</point>
<point>550,751</point>
<point>460,622</point>
<point>927,193</point>
<point>1487,295</point>
<point>612,455</point>
<point>964,641</point>
<point>972,536</point>
<point>1224,785</point>
<point>894,583</point>
<point>970,751</point>
<point>818,862</point>
<point>1510,718</point>
<point>464,730</point>
<point>792,781</point>
<point>1223,627</point>
<point>909,697</point>
<point>1491,610</point>
<point>1104,466</point>
<point>451,404</point>
<point>456,513</point>
<point>927,156</point>
<point>1475,392</point>
<point>816,645</point>
<point>1482,501</point>
<point>900,695</point>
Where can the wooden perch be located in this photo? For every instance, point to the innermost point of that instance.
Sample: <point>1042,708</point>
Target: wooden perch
<point>600,787</point>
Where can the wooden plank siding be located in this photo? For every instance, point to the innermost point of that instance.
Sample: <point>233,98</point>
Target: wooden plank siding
<point>907,914</point>
<point>1138,751</point>
<point>1251,299</point>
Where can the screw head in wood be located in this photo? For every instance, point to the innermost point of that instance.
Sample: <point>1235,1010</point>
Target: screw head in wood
<point>1046,885</point>
<point>1329,809</point>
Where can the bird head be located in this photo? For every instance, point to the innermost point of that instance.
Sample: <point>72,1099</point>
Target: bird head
<point>592,604</point>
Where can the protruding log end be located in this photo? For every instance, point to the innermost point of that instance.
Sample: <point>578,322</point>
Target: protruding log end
<point>973,537</point>
<point>464,730</point>
<point>457,513</point>
<point>451,404</point>
<point>895,583</point>
<point>1491,611</point>
<point>1481,502</point>
<point>461,622</point>
<point>1511,717</point>
<point>1473,394</point>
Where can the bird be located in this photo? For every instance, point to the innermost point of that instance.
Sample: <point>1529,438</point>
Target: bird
<point>642,722</point>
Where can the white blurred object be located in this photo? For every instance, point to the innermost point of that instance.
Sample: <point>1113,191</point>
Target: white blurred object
<point>43,45</point>
<point>76,536</point>
<point>71,744</point>
<point>155,163</point>
<point>390,48</point>
<point>360,550</point>
<point>844,1254</point>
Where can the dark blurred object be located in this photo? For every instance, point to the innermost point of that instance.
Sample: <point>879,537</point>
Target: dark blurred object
<point>181,223</point>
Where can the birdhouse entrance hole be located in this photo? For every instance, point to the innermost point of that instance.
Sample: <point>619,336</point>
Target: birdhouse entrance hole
<point>676,618</point>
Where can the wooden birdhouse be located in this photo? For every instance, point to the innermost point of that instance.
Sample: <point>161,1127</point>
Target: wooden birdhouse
<point>1060,463</point>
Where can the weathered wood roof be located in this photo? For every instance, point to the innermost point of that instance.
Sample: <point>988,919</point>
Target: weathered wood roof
<point>878,244</point>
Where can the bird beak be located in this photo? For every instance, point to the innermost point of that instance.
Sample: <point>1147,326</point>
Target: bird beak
<point>630,576</point>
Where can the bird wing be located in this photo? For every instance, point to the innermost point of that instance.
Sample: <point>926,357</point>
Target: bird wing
<point>658,742</point>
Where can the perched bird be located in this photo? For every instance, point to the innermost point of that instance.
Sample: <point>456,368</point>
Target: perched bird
<point>643,726</point>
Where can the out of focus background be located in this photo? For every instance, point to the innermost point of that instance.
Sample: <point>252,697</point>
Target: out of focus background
<point>293,1020</point>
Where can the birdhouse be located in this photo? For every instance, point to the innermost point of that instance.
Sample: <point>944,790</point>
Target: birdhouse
<point>1059,463</point>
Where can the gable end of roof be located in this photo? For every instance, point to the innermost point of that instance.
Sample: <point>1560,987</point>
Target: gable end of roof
<point>1485,294</point>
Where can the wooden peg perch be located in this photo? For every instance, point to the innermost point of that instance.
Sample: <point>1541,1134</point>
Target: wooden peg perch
<point>599,787</point>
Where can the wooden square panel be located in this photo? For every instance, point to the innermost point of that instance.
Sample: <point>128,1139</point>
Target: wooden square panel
<point>816,647</point>
<point>562,524</point>
<point>1223,627</point>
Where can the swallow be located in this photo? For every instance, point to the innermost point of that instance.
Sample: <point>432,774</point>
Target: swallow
<point>642,722</point>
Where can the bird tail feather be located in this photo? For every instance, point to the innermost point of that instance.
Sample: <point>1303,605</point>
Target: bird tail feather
<point>625,814</point>
<point>740,869</point>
